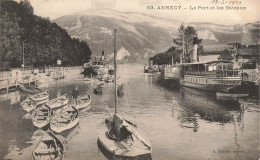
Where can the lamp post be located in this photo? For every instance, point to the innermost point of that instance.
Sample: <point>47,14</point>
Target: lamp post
<point>58,63</point>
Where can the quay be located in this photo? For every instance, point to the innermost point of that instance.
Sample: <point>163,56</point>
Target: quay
<point>11,78</point>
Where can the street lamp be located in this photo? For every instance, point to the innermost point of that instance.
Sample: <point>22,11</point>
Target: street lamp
<point>59,63</point>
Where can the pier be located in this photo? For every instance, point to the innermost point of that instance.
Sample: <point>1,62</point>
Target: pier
<point>12,78</point>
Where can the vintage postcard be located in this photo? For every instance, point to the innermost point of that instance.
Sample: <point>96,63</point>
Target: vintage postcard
<point>129,79</point>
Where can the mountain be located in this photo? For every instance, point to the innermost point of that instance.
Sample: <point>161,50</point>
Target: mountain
<point>139,35</point>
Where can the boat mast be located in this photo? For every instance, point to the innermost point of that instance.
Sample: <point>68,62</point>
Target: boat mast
<point>23,57</point>
<point>115,77</point>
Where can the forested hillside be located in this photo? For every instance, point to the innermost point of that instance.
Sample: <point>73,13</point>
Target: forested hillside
<point>44,41</point>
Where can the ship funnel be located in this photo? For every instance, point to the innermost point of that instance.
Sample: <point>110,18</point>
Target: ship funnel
<point>195,50</point>
<point>103,56</point>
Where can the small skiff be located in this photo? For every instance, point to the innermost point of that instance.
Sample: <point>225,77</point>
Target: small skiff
<point>28,104</point>
<point>109,78</point>
<point>98,89</point>
<point>49,148</point>
<point>130,144</point>
<point>29,89</point>
<point>41,116</point>
<point>66,119</point>
<point>40,96</point>
<point>58,102</point>
<point>83,102</point>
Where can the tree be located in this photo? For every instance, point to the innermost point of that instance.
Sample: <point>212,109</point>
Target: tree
<point>44,41</point>
<point>187,36</point>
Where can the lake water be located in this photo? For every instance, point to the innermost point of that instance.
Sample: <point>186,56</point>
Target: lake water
<point>182,124</point>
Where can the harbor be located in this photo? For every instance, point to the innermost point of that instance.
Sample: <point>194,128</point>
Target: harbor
<point>175,120</point>
<point>105,80</point>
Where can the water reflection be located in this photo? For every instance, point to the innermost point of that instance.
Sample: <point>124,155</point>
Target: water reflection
<point>180,123</point>
<point>201,104</point>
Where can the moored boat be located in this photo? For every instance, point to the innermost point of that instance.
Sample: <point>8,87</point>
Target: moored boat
<point>28,104</point>
<point>66,119</point>
<point>40,96</point>
<point>232,95</point>
<point>41,117</point>
<point>98,88</point>
<point>49,148</point>
<point>58,102</point>
<point>29,89</point>
<point>216,76</point>
<point>83,102</point>
<point>125,143</point>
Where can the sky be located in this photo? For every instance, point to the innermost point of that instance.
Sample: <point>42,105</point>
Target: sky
<point>202,12</point>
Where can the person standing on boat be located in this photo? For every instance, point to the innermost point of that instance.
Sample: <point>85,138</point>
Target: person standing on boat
<point>75,94</point>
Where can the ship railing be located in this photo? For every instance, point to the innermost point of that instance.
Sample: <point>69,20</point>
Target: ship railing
<point>215,73</point>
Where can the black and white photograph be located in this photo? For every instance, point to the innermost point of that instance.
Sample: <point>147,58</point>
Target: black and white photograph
<point>129,80</point>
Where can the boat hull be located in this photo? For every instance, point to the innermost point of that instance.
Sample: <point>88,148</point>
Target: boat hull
<point>57,123</point>
<point>50,152</point>
<point>220,94</point>
<point>83,104</point>
<point>120,148</point>
<point>34,90</point>
<point>40,123</point>
<point>58,102</point>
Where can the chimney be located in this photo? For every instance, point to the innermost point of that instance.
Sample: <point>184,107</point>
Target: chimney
<point>195,50</point>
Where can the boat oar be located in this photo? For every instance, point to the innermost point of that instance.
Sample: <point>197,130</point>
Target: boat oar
<point>108,109</point>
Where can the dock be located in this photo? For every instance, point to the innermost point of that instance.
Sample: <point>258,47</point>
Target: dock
<point>12,78</point>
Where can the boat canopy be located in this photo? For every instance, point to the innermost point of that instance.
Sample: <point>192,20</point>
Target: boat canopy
<point>209,62</point>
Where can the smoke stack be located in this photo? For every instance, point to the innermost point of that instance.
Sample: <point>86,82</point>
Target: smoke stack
<point>195,50</point>
<point>103,56</point>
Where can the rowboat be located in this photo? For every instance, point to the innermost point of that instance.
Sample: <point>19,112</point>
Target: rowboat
<point>41,117</point>
<point>120,137</point>
<point>66,119</point>
<point>98,89</point>
<point>49,148</point>
<point>40,96</point>
<point>29,89</point>
<point>28,104</point>
<point>58,102</point>
<point>31,102</point>
<point>109,78</point>
<point>83,102</point>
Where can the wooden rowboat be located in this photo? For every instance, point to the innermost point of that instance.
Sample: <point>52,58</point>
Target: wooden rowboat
<point>49,148</point>
<point>83,102</point>
<point>40,96</point>
<point>66,119</point>
<point>98,89</point>
<point>58,102</point>
<point>28,104</point>
<point>41,117</point>
<point>29,89</point>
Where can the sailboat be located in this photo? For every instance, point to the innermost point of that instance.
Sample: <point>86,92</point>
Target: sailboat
<point>118,136</point>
